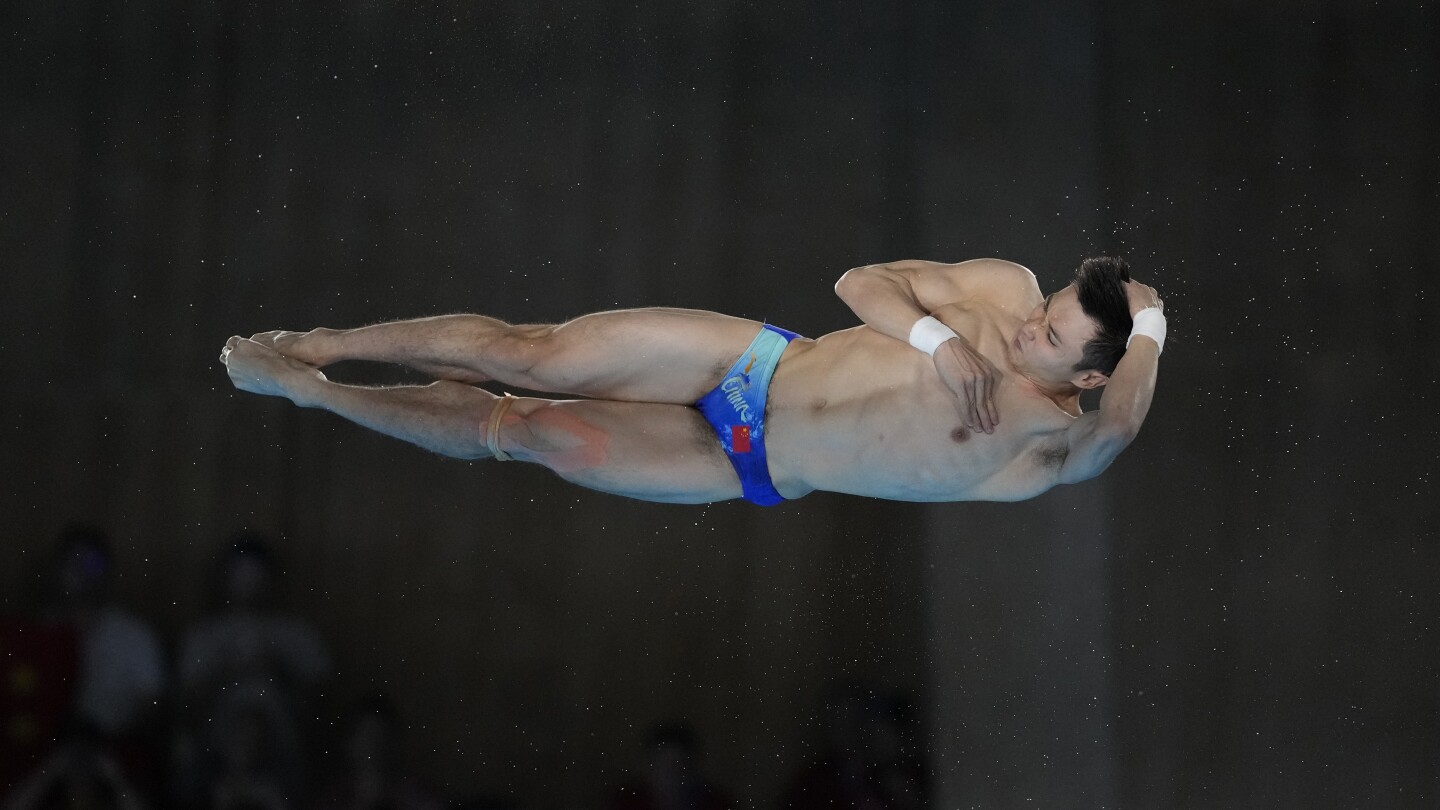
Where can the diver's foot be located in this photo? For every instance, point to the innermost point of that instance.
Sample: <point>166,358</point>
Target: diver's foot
<point>315,348</point>
<point>260,369</point>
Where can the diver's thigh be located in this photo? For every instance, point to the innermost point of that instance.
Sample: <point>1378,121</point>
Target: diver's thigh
<point>661,355</point>
<point>651,451</point>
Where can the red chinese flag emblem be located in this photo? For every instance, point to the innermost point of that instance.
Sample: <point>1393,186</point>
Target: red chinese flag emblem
<point>740,438</point>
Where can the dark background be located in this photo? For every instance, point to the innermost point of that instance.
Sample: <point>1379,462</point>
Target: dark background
<point>1240,613</point>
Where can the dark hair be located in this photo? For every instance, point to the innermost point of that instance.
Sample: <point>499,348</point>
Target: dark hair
<point>1100,286</point>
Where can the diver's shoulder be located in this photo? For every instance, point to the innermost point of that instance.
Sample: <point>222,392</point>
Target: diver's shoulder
<point>1000,269</point>
<point>999,282</point>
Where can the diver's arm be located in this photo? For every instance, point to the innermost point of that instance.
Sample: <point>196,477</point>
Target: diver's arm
<point>1096,438</point>
<point>891,297</point>
<point>887,296</point>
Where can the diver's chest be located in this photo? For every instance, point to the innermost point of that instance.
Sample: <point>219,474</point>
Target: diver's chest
<point>1026,436</point>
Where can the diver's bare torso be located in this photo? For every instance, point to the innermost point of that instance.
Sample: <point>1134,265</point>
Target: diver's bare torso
<point>859,412</point>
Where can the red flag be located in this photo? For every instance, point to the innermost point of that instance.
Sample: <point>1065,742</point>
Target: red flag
<point>740,438</point>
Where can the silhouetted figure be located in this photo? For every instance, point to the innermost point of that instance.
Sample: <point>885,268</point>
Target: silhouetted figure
<point>38,669</point>
<point>869,760</point>
<point>79,774</point>
<point>258,666</point>
<point>83,660</point>
<point>255,753</point>
<point>895,767</point>
<point>670,776</point>
<point>122,667</point>
<point>371,776</point>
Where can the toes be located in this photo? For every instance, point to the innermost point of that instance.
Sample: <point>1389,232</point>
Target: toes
<point>229,347</point>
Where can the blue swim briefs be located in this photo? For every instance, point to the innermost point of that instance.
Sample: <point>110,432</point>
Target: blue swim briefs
<point>736,409</point>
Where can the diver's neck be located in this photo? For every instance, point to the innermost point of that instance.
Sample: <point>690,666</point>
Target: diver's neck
<point>1065,395</point>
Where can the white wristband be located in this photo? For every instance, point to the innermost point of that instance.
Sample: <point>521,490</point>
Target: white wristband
<point>927,334</point>
<point>1149,322</point>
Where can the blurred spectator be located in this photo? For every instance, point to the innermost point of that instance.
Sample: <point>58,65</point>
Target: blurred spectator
<point>78,773</point>
<point>258,668</point>
<point>896,769</point>
<point>869,760</point>
<point>371,777</point>
<point>670,776</point>
<point>253,748</point>
<point>84,659</point>
<point>122,668</point>
<point>38,668</point>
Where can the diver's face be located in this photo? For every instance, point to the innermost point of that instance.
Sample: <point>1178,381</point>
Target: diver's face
<point>1052,340</point>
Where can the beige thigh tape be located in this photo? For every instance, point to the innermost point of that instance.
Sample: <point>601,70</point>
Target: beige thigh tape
<point>492,431</point>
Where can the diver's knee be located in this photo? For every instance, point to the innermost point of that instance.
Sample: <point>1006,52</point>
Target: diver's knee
<point>547,361</point>
<point>532,348</point>
<point>553,435</point>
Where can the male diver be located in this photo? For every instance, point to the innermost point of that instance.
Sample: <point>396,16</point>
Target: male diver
<point>962,384</point>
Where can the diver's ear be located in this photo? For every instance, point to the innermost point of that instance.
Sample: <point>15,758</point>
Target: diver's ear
<point>1094,378</point>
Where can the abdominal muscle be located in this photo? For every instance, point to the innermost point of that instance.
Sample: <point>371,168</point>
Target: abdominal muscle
<point>859,412</point>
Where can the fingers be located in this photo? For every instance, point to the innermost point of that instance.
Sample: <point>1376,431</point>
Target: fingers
<point>981,379</point>
<point>982,406</point>
<point>974,380</point>
<point>992,384</point>
<point>986,411</point>
<point>1155,299</point>
<point>976,395</point>
<point>968,405</point>
<point>1142,296</point>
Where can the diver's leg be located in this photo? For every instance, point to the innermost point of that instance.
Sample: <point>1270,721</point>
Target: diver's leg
<point>655,452</point>
<point>651,451</point>
<point>441,417</point>
<point>637,355</point>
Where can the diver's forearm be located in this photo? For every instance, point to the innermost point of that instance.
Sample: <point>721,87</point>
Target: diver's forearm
<point>1127,396</point>
<point>884,300</point>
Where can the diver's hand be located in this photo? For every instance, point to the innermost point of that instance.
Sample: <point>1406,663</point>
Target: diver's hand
<point>1142,297</point>
<point>973,379</point>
